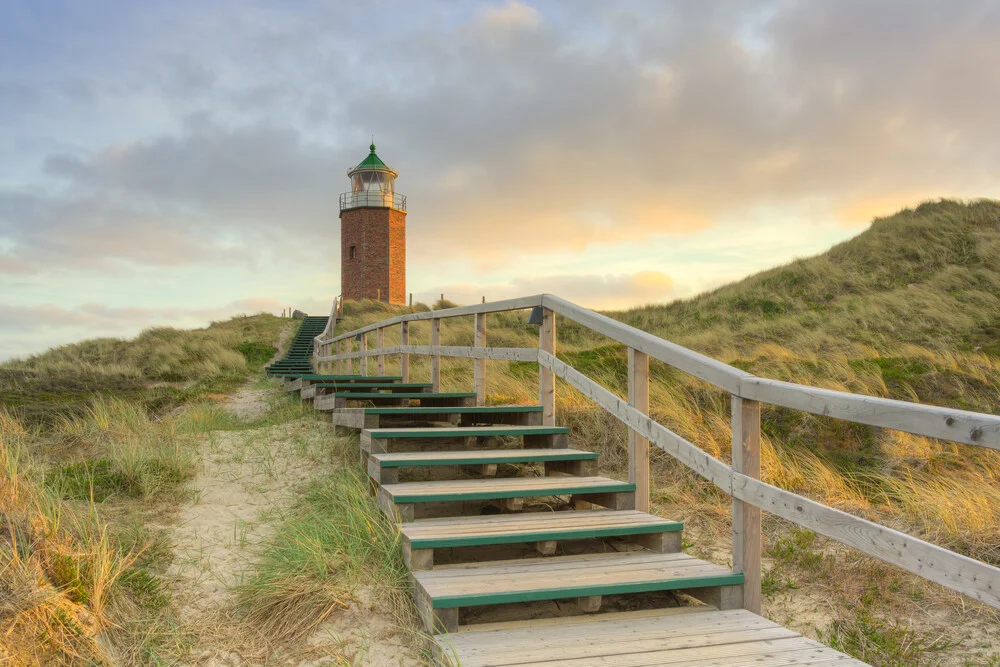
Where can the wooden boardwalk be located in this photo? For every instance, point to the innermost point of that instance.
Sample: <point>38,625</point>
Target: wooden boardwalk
<point>500,518</point>
<point>466,460</point>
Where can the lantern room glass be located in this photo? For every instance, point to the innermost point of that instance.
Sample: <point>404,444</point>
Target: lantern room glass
<point>374,182</point>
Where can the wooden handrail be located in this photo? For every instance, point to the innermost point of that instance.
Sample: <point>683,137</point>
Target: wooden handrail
<point>741,481</point>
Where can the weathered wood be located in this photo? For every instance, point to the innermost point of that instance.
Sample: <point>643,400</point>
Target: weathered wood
<point>746,517</point>
<point>638,446</point>
<point>546,380</point>
<point>340,362</point>
<point>364,351</point>
<point>404,358</point>
<point>436,358</point>
<point>380,341</point>
<point>520,303</point>
<point>661,543</point>
<point>546,547</point>
<point>495,353</point>
<point>705,465</point>
<point>960,573</point>
<point>693,363</point>
<point>722,598</point>
<point>969,428</point>
<point>479,365</point>
<point>417,559</point>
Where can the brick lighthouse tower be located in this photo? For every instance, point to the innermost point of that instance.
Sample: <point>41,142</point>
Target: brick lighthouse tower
<point>373,234</point>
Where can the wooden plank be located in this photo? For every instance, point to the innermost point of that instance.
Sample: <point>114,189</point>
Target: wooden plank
<point>364,395</point>
<point>693,363</point>
<point>546,379</point>
<point>970,428</point>
<point>638,446</point>
<point>404,358</point>
<point>436,359</point>
<point>746,517</point>
<point>480,457</point>
<point>457,351</point>
<point>364,349</point>
<point>528,528</point>
<point>496,489</point>
<point>465,431</point>
<point>555,578</point>
<point>960,573</point>
<point>491,409</point>
<point>708,467</point>
<point>519,303</point>
<point>479,365</point>
<point>380,342</point>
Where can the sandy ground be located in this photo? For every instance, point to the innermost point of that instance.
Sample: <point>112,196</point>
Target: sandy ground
<point>246,478</point>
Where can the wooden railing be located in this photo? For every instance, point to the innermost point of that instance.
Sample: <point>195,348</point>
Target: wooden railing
<point>741,480</point>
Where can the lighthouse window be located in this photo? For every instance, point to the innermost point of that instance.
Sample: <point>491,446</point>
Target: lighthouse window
<point>353,252</point>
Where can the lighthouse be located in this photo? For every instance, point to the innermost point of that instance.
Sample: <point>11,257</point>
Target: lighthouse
<point>373,234</point>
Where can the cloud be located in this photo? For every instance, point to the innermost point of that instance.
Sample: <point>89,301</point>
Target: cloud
<point>191,137</point>
<point>590,290</point>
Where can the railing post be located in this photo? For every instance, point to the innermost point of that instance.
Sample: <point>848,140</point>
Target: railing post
<point>546,378</point>
<point>638,447</point>
<point>404,358</point>
<point>340,362</point>
<point>746,517</point>
<point>480,364</point>
<point>436,358</point>
<point>364,348</point>
<point>380,341</point>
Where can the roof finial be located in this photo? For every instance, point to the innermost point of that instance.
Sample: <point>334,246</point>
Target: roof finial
<point>373,144</point>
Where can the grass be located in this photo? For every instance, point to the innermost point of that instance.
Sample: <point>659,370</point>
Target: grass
<point>909,309</point>
<point>160,369</point>
<point>92,452</point>
<point>332,542</point>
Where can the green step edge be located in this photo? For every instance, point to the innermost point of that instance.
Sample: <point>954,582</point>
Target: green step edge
<point>373,385</point>
<point>466,431</point>
<point>402,394</point>
<point>526,458</point>
<point>618,487</point>
<point>453,410</point>
<point>476,600</point>
<point>541,536</point>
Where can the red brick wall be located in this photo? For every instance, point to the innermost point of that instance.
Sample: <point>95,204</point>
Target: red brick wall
<point>379,267</point>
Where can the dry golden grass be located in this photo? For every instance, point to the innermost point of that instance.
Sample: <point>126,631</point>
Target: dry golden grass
<point>910,309</point>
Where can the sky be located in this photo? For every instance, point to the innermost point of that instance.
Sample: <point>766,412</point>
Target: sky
<point>171,162</point>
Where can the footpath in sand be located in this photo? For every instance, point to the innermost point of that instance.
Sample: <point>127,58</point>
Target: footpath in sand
<point>247,478</point>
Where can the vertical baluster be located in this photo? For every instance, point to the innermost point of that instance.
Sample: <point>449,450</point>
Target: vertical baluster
<point>480,364</point>
<point>546,379</point>
<point>380,341</point>
<point>436,358</point>
<point>404,357</point>
<point>746,517</point>
<point>638,447</point>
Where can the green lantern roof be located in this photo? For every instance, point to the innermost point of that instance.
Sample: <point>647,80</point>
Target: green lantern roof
<point>372,163</point>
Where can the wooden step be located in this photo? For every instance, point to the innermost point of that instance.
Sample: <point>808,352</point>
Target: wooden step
<point>399,499</point>
<point>379,440</point>
<point>677,637</point>
<point>441,592</point>
<point>340,399</point>
<point>362,418</point>
<point>383,467</point>
<point>373,386</point>
<point>420,538</point>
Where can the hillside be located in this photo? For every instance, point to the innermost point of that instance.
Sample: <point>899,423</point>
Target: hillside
<point>908,309</point>
<point>107,448</point>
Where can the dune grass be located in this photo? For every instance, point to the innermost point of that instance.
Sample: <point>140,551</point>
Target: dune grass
<point>332,542</point>
<point>160,369</point>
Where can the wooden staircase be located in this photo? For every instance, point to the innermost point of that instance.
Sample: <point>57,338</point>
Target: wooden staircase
<point>496,511</point>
